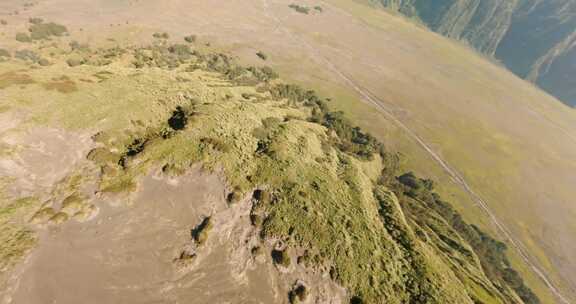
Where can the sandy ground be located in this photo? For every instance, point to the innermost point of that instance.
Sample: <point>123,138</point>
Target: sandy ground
<point>43,157</point>
<point>127,254</point>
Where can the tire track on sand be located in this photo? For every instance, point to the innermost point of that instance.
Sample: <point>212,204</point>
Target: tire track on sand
<point>371,98</point>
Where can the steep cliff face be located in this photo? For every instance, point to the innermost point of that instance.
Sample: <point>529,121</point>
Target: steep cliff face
<point>540,45</point>
<point>534,38</point>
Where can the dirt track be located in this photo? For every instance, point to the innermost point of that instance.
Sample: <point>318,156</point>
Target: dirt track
<point>380,105</point>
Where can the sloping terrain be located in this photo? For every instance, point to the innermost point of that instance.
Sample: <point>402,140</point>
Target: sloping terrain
<point>534,38</point>
<point>454,102</point>
<point>307,191</point>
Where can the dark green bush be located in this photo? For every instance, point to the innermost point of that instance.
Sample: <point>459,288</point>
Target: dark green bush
<point>352,139</point>
<point>179,119</point>
<point>491,252</point>
<point>299,8</point>
<point>262,55</point>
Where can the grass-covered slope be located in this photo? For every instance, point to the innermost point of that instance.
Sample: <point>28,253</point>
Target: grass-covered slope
<point>533,38</point>
<point>323,187</point>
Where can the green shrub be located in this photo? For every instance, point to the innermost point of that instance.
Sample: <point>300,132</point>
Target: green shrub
<point>44,31</point>
<point>73,62</point>
<point>352,139</point>
<point>44,62</point>
<point>27,55</point>
<point>190,38</point>
<point>262,55</point>
<point>77,46</point>
<point>161,35</point>
<point>491,252</point>
<point>179,119</point>
<point>356,300</point>
<point>300,9</point>
<point>264,74</point>
<point>181,51</point>
<point>23,37</point>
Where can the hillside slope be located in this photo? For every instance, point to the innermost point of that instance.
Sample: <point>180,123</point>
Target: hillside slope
<point>316,196</point>
<point>455,102</point>
<point>533,38</point>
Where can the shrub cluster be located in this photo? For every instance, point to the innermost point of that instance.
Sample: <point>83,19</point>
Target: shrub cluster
<point>44,31</point>
<point>351,139</point>
<point>23,37</point>
<point>163,56</point>
<point>416,284</point>
<point>39,30</point>
<point>161,35</point>
<point>492,253</point>
<point>30,56</point>
<point>250,76</point>
<point>299,8</point>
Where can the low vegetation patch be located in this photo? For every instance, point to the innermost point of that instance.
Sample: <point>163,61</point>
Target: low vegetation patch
<point>23,37</point>
<point>417,192</point>
<point>13,78</point>
<point>45,31</point>
<point>61,84</point>
<point>161,35</point>
<point>190,38</point>
<point>300,8</point>
<point>15,240</point>
<point>5,54</point>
